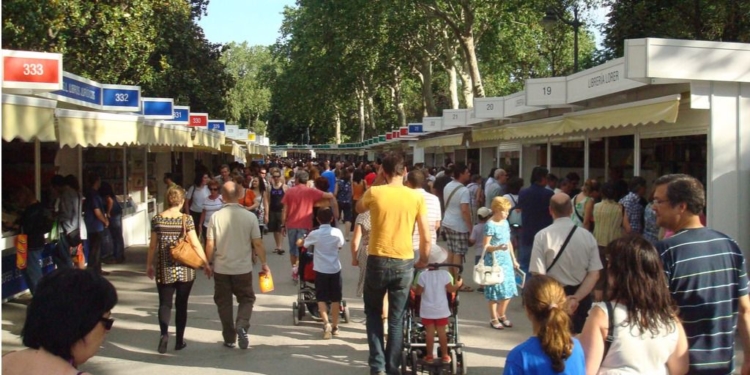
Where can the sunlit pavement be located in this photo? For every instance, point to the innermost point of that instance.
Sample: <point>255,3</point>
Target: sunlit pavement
<point>276,345</point>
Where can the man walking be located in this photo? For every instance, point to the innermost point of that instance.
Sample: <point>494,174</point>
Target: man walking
<point>570,256</point>
<point>233,235</point>
<point>394,210</point>
<point>706,274</point>
<point>96,222</point>
<point>416,180</point>
<point>534,205</point>
<point>633,204</point>
<point>297,214</point>
<point>457,219</point>
<point>69,218</point>
<point>496,188</point>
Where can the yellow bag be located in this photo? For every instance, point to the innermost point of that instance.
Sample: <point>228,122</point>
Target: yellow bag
<point>22,247</point>
<point>265,280</point>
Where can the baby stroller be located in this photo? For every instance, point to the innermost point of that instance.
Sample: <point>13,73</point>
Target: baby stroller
<point>306,293</point>
<point>412,361</point>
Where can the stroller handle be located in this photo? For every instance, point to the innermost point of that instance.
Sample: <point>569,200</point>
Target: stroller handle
<point>446,265</point>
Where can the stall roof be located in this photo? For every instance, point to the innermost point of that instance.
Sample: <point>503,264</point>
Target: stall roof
<point>84,128</point>
<point>27,118</point>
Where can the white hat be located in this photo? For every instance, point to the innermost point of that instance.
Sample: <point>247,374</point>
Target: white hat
<point>437,255</point>
<point>484,212</point>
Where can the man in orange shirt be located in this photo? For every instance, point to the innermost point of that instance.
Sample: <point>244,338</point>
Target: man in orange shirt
<point>394,209</point>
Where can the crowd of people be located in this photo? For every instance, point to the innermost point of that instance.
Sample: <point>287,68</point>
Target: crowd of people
<point>617,280</point>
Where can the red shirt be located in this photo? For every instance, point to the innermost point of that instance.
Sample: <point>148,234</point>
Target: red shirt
<point>370,178</point>
<point>299,202</point>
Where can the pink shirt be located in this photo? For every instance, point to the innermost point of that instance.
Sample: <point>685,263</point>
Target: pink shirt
<point>299,202</point>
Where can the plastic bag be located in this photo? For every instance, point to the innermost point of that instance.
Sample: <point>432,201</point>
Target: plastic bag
<point>265,280</point>
<point>22,247</point>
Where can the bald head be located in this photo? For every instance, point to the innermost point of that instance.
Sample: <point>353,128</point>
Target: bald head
<point>559,206</point>
<point>230,192</point>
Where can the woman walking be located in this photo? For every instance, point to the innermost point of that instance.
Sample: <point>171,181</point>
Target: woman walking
<point>359,186</point>
<point>344,199</point>
<point>114,213</point>
<point>611,222</point>
<point>196,195</point>
<point>499,250</point>
<point>360,240</point>
<point>211,204</point>
<point>261,201</point>
<point>172,277</point>
<point>583,204</point>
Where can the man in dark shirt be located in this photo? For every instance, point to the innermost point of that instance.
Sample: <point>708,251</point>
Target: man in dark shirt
<point>96,222</point>
<point>534,204</point>
<point>35,222</point>
<point>707,278</point>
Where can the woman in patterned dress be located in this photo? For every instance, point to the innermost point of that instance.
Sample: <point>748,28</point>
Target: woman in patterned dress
<point>360,240</point>
<point>500,250</point>
<point>171,277</point>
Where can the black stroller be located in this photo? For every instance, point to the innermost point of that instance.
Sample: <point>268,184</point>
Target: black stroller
<point>412,358</point>
<point>306,293</point>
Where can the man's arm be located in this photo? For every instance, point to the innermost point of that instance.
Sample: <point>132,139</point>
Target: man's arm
<point>260,251</point>
<point>362,203</point>
<point>424,240</point>
<point>283,220</point>
<point>466,214</point>
<point>584,290</point>
<point>210,250</point>
<point>743,326</point>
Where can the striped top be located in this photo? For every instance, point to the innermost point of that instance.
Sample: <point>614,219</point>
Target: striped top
<point>608,218</point>
<point>433,216</point>
<point>706,274</point>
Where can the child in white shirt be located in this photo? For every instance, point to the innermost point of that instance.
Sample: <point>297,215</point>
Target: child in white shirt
<point>434,310</point>
<point>476,238</point>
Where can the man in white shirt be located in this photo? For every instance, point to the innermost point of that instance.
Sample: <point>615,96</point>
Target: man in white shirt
<point>577,268</point>
<point>496,188</point>
<point>233,234</point>
<point>416,180</point>
<point>457,219</point>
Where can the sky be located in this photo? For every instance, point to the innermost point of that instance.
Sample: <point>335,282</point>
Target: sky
<point>257,22</point>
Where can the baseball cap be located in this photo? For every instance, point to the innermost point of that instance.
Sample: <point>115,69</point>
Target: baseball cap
<point>437,254</point>
<point>484,212</point>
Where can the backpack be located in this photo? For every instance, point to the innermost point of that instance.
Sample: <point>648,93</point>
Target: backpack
<point>345,191</point>
<point>514,217</point>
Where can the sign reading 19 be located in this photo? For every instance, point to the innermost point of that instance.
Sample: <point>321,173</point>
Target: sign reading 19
<point>547,90</point>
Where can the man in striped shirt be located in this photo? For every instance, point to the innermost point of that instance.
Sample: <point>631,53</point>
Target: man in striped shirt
<point>416,180</point>
<point>707,278</point>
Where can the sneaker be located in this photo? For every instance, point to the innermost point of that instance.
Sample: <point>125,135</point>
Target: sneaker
<point>429,358</point>
<point>446,359</point>
<point>295,274</point>
<point>229,345</point>
<point>335,331</point>
<point>327,332</point>
<point>163,341</point>
<point>242,338</point>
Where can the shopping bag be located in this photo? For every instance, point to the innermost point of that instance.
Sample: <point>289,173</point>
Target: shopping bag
<point>78,257</point>
<point>22,247</point>
<point>265,280</point>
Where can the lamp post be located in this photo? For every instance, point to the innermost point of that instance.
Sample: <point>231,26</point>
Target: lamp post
<point>554,14</point>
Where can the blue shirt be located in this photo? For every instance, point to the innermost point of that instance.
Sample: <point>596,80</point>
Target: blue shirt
<point>634,210</point>
<point>706,275</point>
<point>534,204</point>
<point>330,175</point>
<point>92,202</point>
<point>528,358</point>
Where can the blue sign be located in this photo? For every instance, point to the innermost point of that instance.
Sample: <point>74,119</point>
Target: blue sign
<point>219,125</point>
<point>79,91</point>
<point>181,114</point>
<point>415,128</point>
<point>158,108</point>
<point>121,98</point>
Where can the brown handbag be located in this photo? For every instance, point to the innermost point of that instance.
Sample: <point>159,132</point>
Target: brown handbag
<point>183,251</point>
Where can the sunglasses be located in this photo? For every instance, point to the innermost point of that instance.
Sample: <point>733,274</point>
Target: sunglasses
<point>107,323</point>
<point>275,176</point>
<point>214,189</point>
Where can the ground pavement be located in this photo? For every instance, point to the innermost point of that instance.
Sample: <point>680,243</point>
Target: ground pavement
<point>276,345</point>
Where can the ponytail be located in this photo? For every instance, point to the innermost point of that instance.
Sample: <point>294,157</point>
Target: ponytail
<point>555,337</point>
<point>543,298</point>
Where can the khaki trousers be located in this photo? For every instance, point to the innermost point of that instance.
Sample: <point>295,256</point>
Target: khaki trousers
<point>241,287</point>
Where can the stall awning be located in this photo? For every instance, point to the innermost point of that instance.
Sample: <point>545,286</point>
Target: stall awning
<point>158,133</point>
<point>208,139</point>
<point>28,118</point>
<point>83,128</point>
<point>652,111</point>
<point>489,134</point>
<point>444,141</point>
<point>547,127</point>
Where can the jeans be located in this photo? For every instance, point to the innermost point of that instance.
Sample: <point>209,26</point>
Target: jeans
<point>33,272</point>
<point>95,248</point>
<point>118,242</point>
<point>241,286</point>
<point>393,276</point>
<point>293,235</point>
<point>61,254</point>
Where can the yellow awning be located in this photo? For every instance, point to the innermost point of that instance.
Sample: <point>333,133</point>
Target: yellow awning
<point>488,134</point>
<point>83,128</point>
<point>158,133</point>
<point>208,139</point>
<point>27,118</point>
<point>652,111</point>
<point>444,141</point>
<point>547,127</point>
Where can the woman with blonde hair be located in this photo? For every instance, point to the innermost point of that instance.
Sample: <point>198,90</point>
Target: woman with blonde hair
<point>499,250</point>
<point>172,277</point>
<point>552,350</point>
<point>647,336</point>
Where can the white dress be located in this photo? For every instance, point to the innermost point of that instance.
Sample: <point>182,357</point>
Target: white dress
<point>633,353</point>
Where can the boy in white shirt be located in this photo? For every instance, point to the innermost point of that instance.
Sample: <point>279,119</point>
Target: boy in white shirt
<point>476,238</point>
<point>328,242</point>
<point>434,310</point>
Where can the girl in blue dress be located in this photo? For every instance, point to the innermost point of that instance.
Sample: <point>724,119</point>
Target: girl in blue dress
<point>498,246</point>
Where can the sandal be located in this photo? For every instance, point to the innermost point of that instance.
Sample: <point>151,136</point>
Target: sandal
<point>505,322</point>
<point>494,323</point>
<point>466,288</point>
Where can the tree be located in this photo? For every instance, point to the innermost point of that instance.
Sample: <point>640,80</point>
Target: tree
<point>250,99</point>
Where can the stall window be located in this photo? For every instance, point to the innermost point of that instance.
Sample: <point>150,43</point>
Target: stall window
<point>621,156</point>
<point>688,155</point>
<point>567,157</point>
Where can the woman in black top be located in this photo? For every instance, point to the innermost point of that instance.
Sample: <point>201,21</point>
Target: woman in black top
<point>35,222</point>
<point>114,213</point>
<point>276,194</point>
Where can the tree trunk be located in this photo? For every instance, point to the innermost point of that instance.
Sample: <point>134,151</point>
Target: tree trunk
<point>453,78</point>
<point>467,45</point>
<point>371,112</point>
<point>398,104</point>
<point>425,71</point>
<point>338,126</point>
<point>467,86</point>
<point>362,125</point>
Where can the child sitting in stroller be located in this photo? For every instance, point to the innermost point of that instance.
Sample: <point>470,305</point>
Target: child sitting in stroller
<point>432,285</point>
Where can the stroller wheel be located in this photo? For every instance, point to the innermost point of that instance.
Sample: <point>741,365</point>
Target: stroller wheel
<point>295,314</point>
<point>403,362</point>
<point>464,366</point>
<point>414,362</point>
<point>454,364</point>
<point>345,312</point>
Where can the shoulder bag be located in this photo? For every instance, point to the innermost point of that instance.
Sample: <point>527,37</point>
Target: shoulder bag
<point>448,202</point>
<point>488,275</point>
<point>183,251</point>
<point>562,249</point>
<point>610,329</point>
